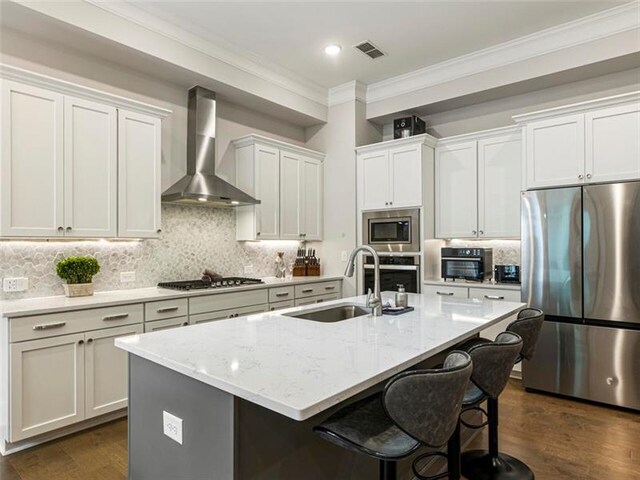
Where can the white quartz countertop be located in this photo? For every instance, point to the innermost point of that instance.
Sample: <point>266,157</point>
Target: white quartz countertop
<point>41,305</point>
<point>469,284</point>
<point>299,368</point>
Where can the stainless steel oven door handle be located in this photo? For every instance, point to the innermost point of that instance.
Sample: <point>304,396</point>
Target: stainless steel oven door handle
<point>463,259</point>
<point>392,267</point>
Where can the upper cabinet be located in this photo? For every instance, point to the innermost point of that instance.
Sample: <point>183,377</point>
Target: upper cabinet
<point>78,165</point>
<point>390,174</point>
<point>590,142</point>
<point>478,181</point>
<point>288,181</point>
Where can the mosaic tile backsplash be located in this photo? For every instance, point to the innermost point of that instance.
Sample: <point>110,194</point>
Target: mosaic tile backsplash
<point>192,239</point>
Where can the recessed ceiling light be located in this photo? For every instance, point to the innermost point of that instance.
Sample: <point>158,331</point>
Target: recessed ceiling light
<point>333,49</point>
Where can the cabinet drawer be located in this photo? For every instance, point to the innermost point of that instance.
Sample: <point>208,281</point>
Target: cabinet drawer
<point>317,299</point>
<point>446,291</point>
<point>42,326</point>
<point>319,288</point>
<point>230,313</point>
<point>494,294</point>
<point>280,294</point>
<point>165,309</point>
<point>281,305</point>
<point>165,324</point>
<point>224,301</point>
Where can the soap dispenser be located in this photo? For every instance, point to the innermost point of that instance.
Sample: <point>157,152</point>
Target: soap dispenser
<point>402,299</point>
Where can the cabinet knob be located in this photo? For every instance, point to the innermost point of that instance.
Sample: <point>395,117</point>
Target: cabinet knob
<point>481,232</point>
<point>184,324</point>
<point>159,230</point>
<point>68,229</point>
<point>588,175</point>
<point>580,176</point>
<point>80,342</point>
<point>473,232</point>
<point>257,234</point>
<point>90,340</point>
<point>390,203</point>
<point>60,229</point>
<point>386,203</point>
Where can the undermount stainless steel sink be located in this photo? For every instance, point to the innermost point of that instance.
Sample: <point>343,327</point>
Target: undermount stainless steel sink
<point>336,313</point>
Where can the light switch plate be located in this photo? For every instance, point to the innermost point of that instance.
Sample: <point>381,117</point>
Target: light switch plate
<point>172,427</point>
<point>343,256</point>
<point>127,277</point>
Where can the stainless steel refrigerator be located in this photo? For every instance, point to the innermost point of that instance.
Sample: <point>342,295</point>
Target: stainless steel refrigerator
<point>581,265</point>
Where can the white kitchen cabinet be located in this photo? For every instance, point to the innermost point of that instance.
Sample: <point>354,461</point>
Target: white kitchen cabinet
<point>47,384</point>
<point>106,370</point>
<point>76,165</point>
<point>457,191</point>
<point>555,152</point>
<point>287,180</point>
<point>158,325</point>
<point>478,178</point>
<point>391,174</point>
<point>90,169</point>
<point>139,151</point>
<point>613,144</point>
<point>446,290</point>
<point>230,313</point>
<point>499,177</point>
<point>31,167</point>
<point>590,142</point>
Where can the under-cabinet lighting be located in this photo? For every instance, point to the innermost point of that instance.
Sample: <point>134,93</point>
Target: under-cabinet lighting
<point>202,199</point>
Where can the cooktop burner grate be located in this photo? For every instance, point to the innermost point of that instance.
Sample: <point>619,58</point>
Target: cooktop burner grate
<point>223,282</point>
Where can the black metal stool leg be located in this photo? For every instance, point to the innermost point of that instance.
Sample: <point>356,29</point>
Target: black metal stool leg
<point>388,470</point>
<point>453,455</point>
<point>493,465</point>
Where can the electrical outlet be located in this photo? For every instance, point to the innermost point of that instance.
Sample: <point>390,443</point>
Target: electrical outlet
<point>172,427</point>
<point>15,284</point>
<point>127,277</point>
<point>343,256</point>
<point>248,269</point>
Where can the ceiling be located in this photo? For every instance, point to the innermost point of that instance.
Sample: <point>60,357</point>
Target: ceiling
<point>292,35</point>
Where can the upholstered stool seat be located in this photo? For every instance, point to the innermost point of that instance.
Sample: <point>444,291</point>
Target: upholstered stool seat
<point>415,408</point>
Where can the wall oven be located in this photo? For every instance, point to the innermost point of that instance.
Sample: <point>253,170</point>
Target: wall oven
<point>392,230</point>
<point>394,271</point>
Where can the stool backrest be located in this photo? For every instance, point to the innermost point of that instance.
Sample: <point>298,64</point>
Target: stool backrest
<point>528,325</point>
<point>493,362</point>
<point>426,404</point>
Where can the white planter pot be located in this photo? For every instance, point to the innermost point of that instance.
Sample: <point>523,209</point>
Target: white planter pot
<point>78,289</point>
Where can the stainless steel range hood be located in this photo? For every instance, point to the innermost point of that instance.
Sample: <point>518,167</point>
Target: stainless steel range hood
<point>201,186</point>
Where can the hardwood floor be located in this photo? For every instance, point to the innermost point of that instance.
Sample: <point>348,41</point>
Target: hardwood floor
<point>558,438</point>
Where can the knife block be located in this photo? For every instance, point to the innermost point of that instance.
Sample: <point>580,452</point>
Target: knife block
<point>299,271</point>
<point>313,270</point>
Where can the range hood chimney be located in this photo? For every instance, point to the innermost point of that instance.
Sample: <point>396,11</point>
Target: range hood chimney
<point>201,186</point>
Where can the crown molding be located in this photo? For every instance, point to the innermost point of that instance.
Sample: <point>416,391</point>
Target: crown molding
<point>574,108</point>
<point>9,72</point>
<point>346,92</point>
<point>514,131</point>
<point>422,139</point>
<point>232,55</point>
<point>254,138</point>
<point>587,29</point>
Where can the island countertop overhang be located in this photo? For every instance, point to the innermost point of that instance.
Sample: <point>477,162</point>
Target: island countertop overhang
<point>299,368</point>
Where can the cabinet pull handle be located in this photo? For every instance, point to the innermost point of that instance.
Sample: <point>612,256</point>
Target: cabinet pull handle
<point>283,294</point>
<point>307,290</point>
<point>47,326</point>
<point>320,300</point>
<point>119,316</point>
<point>332,287</point>
<point>445,294</point>
<point>494,297</point>
<point>166,309</point>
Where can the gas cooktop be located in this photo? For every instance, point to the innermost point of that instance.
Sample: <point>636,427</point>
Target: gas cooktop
<point>223,282</point>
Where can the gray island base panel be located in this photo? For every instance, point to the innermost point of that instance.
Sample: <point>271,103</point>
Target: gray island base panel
<point>228,438</point>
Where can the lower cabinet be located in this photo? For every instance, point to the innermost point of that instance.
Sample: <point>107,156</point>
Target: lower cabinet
<point>166,324</point>
<point>281,305</point>
<point>231,313</point>
<point>59,381</point>
<point>318,299</point>
<point>446,290</point>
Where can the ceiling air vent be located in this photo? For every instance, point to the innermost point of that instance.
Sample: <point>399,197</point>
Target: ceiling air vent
<point>369,49</point>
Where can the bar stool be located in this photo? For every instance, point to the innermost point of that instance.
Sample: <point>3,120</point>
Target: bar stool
<point>491,464</point>
<point>420,407</point>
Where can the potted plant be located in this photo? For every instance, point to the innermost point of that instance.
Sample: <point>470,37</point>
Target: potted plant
<point>77,272</point>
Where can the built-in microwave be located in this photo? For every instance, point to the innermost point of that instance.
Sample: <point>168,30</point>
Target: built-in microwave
<point>392,230</point>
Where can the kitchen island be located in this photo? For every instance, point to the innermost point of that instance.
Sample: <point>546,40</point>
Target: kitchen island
<point>248,390</point>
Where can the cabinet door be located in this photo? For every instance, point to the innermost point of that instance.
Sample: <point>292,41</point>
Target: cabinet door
<point>267,180</point>
<point>230,313</point>
<point>555,152</point>
<point>499,174</point>
<point>106,385</point>
<point>405,171</point>
<point>374,180</point>
<point>312,199</point>
<point>158,325</point>
<point>90,169</point>
<point>139,153</point>
<point>47,385</point>
<point>456,191</point>
<point>291,167</point>
<point>613,144</point>
<point>31,165</point>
